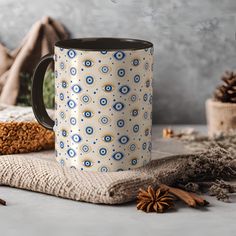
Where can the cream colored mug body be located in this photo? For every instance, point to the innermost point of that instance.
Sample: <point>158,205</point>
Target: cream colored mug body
<point>103,103</point>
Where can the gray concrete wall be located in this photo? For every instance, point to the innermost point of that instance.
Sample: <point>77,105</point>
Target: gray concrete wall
<point>194,41</point>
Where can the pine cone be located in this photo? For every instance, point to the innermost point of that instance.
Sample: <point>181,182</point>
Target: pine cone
<point>227,91</point>
<point>151,201</point>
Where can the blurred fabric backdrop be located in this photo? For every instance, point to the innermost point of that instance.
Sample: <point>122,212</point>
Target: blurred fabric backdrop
<point>194,41</point>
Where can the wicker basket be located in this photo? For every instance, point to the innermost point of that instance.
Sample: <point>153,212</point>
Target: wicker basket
<point>221,117</point>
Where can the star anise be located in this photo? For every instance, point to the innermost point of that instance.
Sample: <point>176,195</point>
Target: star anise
<point>154,201</point>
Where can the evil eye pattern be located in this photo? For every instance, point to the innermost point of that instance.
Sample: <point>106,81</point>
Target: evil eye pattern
<point>85,99</point>
<point>76,88</point>
<point>118,156</point>
<point>136,128</point>
<point>88,63</point>
<point>73,120</point>
<point>107,138</point>
<point>108,88</point>
<point>85,148</point>
<point>71,104</point>
<point>135,62</point>
<point>71,53</point>
<point>121,72</point>
<point>136,78</point>
<point>104,169</point>
<point>104,120</point>
<point>104,69</point>
<point>102,151</point>
<point>118,106</point>
<point>89,130</point>
<point>62,144</point>
<point>103,108</point>
<point>124,139</point>
<point>87,163</point>
<point>120,123</point>
<point>87,114</point>
<point>64,84</point>
<point>71,152</point>
<point>73,71</point>
<point>61,96</point>
<point>89,80</point>
<point>103,101</point>
<point>76,138</point>
<point>135,112</point>
<point>119,55</point>
<point>124,89</point>
<point>132,147</point>
<point>134,161</point>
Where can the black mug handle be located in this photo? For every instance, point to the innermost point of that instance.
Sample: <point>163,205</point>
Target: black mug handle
<point>37,93</point>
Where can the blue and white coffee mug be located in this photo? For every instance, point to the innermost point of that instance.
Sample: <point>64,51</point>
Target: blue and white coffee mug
<point>103,102</point>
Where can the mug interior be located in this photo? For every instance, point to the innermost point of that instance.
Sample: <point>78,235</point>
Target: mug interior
<point>108,44</point>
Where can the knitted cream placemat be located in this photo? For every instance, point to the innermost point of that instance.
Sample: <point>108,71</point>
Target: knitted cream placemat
<point>40,173</point>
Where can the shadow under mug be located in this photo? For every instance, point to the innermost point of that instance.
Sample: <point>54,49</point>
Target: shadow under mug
<point>103,102</point>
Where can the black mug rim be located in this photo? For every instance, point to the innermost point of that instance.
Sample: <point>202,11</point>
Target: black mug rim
<point>104,44</point>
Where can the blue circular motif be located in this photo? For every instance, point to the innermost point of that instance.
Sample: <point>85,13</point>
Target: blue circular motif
<point>148,83</point>
<point>136,78</point>
<point>64,133</point>
<point>120,123</point>
<point>135,112</point>
<point>76,88</point>
<point>136,62</point>
<point>73,120</point>
<point>71,104</point>
<point>89,130</point>
<point>88,63</point>
<point>105,69</point>
<point>144,146</point>
<point>150,99</point>
<point>107,138</point>
<point>61,96</point>
<point>103,52</point>
<point>62,65</point>
<point>118,156</point>
<point>136,128</point>
<point>134,161</point>
<point>104,169</point>
<point>85,148</point>
<point>108,88</point>
<point>133,98</point>
<point>87,163</point>
<point>146,132</point>
<point>150,147</point>
<point>56,73</point>
<point>86,99</point>
<point>71,53</point>
<point>61,144</point>
<point>124,139</point>
<point>89,80</point>
<point>145,97</point>
<point>121,72</point>
<point>145,115</point>
<point>132,147</point>
<point>119,55</point>
<point>73,71</point>
<point>124,89</point>
<point>62,115</point>
<point>103,151</point>
<point>103,101</point>
<point>62,162</point>
<point>76,138</point>
<point>64,84</point>
<point>71,152</point>
<point>88,114</point>
<point>118,106</point>
<point>104,120</point>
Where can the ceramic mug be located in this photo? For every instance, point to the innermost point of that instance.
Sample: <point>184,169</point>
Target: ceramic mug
<point>103,102</point>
